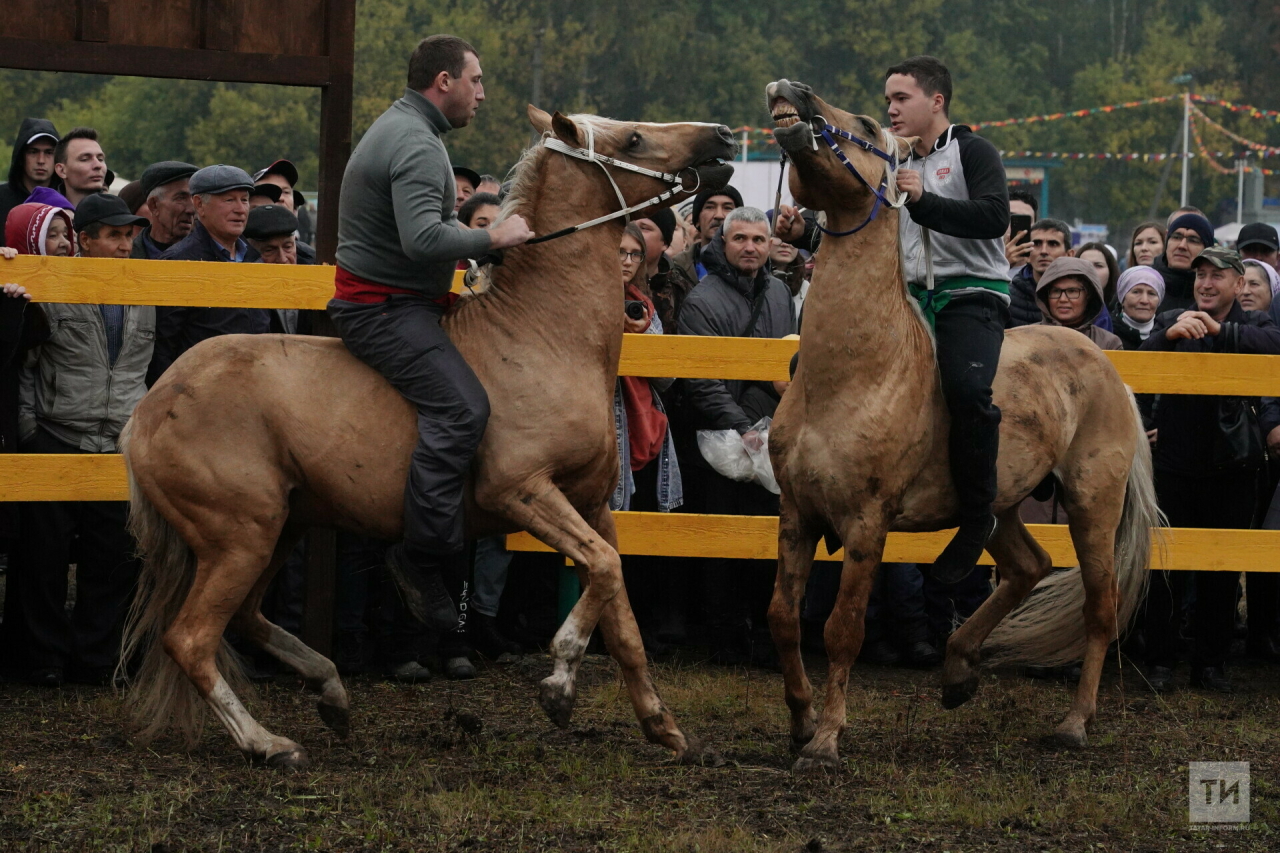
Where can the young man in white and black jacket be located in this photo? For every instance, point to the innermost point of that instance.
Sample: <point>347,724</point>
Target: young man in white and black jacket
<point>956,189</point>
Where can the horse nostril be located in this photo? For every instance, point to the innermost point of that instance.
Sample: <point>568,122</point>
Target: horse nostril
<point>726,135</point>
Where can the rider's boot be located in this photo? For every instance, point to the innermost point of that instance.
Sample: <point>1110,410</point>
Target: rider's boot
<point>423,589</point>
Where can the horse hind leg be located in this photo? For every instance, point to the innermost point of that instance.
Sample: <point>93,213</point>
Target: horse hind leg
<point>1022,563</point>
<point>1093,529</point>
<point>317,672</point>
<point>222,582</point>
<point>796,549</point>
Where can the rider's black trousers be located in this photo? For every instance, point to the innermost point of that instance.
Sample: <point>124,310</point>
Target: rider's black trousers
<point>970,331</point>
<point>401,338</point>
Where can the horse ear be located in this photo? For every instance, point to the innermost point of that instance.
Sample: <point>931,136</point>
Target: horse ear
<point>566,130</point>
<point>540,120</point>
<point>905,144</point>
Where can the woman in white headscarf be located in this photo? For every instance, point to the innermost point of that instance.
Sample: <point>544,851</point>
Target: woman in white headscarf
<point>1261,285</point>
<point>1139,293</point>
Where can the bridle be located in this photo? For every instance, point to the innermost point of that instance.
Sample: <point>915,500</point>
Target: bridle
<point>590,155</point>
<point>888,184</point>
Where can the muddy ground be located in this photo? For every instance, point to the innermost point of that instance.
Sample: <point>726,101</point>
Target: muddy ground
<point>475,766</point>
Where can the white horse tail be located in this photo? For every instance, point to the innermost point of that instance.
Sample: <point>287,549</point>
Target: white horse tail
<point>1047,628</point>
<point>160,694</point>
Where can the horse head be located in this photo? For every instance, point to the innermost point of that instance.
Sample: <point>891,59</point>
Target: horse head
<point>697,154</point>
<point>819,180</point>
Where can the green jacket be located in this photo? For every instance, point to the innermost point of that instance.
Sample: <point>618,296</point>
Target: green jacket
<point>396,224</point>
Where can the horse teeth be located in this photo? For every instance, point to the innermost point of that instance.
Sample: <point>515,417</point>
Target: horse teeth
<point>786,120</point>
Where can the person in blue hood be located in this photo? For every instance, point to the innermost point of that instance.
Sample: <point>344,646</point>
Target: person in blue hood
<point>31,166</point>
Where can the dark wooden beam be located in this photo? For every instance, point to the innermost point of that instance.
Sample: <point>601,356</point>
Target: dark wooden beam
<point>216,32</point>
<point>335,121</point>
<point>137,61</point>
<point>91,20</point>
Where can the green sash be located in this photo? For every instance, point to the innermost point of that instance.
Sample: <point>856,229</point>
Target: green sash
<point>933,301</point>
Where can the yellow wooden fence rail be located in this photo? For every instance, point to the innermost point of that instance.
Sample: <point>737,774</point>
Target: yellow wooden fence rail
<point>134,282</point>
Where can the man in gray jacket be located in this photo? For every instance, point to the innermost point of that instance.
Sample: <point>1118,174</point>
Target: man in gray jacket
<point>738,297</point>
<point>398,244</point>
<point>77,391</point>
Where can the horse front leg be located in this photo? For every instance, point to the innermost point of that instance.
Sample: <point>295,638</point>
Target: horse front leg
<point>796,547</point>
<point>622,637</point>
<point>864,545</point>
<point>546,513</point>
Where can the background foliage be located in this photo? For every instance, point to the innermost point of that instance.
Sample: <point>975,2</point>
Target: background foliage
<point>710,59</point>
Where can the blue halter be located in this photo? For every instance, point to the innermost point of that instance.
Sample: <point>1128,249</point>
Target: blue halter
<point>827,132</point>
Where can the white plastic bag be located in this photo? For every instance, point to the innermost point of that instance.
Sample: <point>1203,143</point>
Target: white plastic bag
<point>728,456</point>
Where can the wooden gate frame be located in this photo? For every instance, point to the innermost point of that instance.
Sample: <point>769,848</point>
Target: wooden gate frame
<point>219,25</point>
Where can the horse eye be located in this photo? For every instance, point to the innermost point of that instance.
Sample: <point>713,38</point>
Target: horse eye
<point>634,141</point>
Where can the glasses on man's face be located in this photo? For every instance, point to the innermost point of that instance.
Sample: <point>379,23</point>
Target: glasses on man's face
<point>1071,294</point>
<point>624,255</point>
<point>1192,239</point>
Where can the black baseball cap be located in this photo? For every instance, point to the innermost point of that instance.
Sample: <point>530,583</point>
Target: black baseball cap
<point>1258,233</point>
<point>270,220</point>
<point>270,191</point>
<point>108,209</point>
<point>470,174</point>
<point>283,168</point>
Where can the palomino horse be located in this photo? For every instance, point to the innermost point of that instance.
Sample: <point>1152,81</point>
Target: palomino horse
<point>248,440</point>
<point>859,447</point>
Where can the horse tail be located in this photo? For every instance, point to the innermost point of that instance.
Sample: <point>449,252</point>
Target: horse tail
<point>1047,628</point>
<point>159,693</point>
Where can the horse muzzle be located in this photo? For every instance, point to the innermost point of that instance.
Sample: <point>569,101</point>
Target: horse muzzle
<point>791,106</point>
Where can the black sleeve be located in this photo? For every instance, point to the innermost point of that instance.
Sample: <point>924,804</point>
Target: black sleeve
<point>711,398</point>
<point>982,216</point>
<point>811,239</point>
<point>1269,414</point>
<point>1260,337</point>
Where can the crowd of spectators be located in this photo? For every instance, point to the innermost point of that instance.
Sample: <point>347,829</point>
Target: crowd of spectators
<point>71,374</point>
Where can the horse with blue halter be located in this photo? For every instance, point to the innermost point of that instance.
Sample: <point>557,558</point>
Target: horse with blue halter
<point>859,448</point>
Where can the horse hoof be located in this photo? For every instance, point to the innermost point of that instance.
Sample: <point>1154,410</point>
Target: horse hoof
<point>698,753</point>
<point>336,717</point>
<point>810,764</point>
<point>556,701</point>
<point>955,695</point>
<point>1071,737</point>
<point>290,759</point>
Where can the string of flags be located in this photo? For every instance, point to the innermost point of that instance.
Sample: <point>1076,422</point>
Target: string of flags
<point>1248,143</point>
<point>1075,113</point>
<point>1209,156</point>
<point>1254,150</point>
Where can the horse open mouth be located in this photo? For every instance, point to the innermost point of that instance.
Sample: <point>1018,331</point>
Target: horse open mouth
<point>784,113</point>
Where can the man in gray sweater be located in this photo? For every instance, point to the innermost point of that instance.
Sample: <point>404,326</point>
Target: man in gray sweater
<point>398,245</point>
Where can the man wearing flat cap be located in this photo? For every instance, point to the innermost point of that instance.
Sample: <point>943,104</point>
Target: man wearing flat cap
<point>1205,474</point>
<point>220,195</point>
<point>77,391</point>
<point>169,207</point>
<point>271,233</point>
